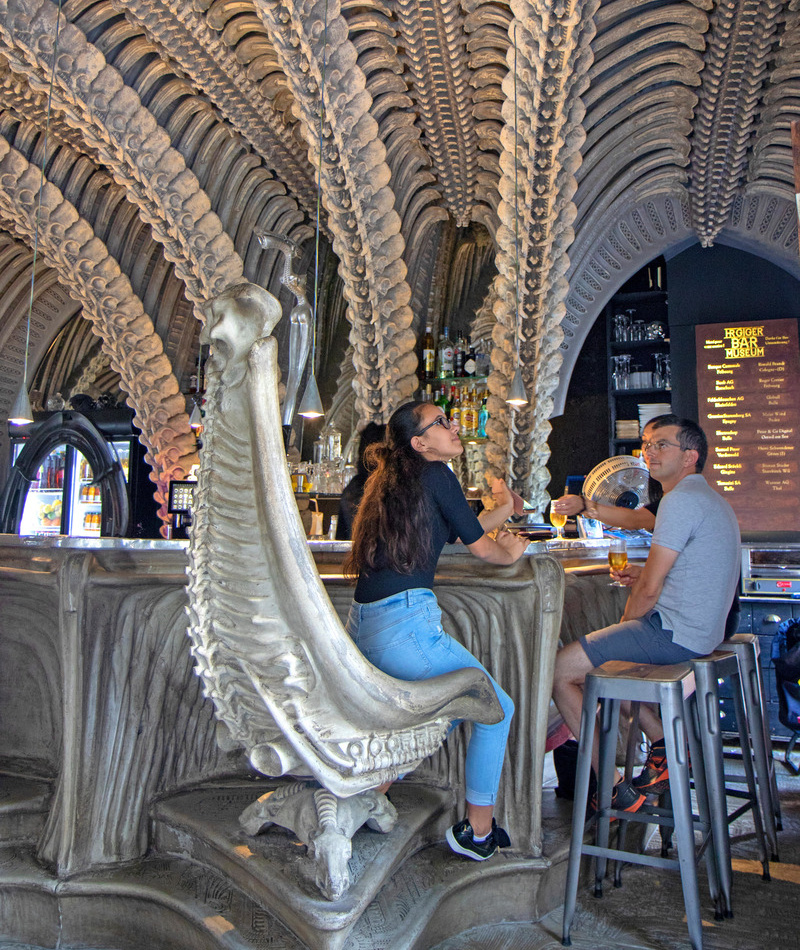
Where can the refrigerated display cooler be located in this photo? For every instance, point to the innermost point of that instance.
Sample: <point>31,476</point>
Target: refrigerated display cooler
<point>81,475</point>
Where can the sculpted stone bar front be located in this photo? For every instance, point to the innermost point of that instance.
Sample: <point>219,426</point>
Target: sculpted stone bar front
<point>104,716</point>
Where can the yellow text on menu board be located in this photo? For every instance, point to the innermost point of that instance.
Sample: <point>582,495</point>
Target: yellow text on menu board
<point>744,342</point>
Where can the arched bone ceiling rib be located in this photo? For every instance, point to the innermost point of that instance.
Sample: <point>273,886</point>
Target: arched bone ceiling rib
<point>361,208</point>
<point>93,98</point>
<point>678,133</point>
<point>223,50</point>
<point>741,33</point>
<point>642,126</point>
<point>435,47</point>
<point>771,166</point>
<point>541,141</point>
<point>67,243</point>
<point>114,220</point>
<point>639,109</point>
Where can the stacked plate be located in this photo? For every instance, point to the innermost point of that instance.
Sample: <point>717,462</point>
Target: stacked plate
<point>627,429</point>
<point>649,410</point>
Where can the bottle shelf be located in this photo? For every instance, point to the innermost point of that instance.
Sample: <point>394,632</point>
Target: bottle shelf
<point>641,392</point>
<point>643,303</point>
<point>453,381</point>
<point>632,296</point>
<point>615,345</point>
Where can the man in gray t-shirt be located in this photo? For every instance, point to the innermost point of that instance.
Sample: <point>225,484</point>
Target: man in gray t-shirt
<point>701,528</point>
<point>679,599</point>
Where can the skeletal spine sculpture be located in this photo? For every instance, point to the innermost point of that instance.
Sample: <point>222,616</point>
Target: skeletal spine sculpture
<point>285,679</point>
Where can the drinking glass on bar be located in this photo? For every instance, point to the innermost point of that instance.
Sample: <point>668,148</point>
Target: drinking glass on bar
<point>617,558</point>
<point>558,520</point>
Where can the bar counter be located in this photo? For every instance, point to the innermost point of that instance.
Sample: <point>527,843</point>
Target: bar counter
<point>102,708</point>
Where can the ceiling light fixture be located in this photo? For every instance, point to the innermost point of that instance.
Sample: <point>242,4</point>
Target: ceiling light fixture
<point>196,418</point>
<point>21,413</point>
<point>517,397</point>
<point>311,403</point>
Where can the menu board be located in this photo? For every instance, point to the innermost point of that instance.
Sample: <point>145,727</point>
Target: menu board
<point>748,393</point>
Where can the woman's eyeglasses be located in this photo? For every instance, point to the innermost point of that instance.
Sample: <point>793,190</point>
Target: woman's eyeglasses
<point>442,421</point>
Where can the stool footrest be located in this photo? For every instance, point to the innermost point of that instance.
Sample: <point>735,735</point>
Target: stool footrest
<point>651,816</point>
<point>631,857</point>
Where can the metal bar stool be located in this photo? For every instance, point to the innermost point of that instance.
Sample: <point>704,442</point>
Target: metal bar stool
<point>708,671</point>
<point>745,646</point>
<point>670,687</point>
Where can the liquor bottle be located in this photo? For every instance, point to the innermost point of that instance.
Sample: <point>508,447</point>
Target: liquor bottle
<point>427,393</point>
<point>481,358</point>
<point>459,355</point>
<point>469,413</point>
<point>445,356</point>
<point>441,400</point>
<point>455,407</point>
<point>466,412</point>
<point>428,354</point>
<point>483,418</point>
<point>470,363</point>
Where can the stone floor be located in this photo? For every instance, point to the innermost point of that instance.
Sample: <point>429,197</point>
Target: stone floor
<point>646,913</point>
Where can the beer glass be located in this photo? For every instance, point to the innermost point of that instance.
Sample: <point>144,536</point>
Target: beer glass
<point>617,558</point>
<point>558,520</point>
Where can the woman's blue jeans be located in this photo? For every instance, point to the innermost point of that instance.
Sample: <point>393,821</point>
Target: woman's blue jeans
<point>402,635</point>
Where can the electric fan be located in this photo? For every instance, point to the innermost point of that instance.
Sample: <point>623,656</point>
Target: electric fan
<point>621,481</point>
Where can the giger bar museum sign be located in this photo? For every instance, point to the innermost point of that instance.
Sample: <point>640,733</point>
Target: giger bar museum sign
<point>748,391</point>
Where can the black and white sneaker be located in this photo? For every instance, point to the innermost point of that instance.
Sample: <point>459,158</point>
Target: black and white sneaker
<point>461,839</point>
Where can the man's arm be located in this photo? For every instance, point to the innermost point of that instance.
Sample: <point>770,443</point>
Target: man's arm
<point>630,518</point>
<point>647,588</point>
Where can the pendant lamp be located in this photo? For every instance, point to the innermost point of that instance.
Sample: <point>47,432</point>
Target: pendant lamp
<point>516,396</point>
<point>196,418</point>
<point>311,403</point>
<point>21,413</point>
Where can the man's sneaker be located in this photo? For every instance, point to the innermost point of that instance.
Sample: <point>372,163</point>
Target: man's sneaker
<point>624,797</point>
<point>461,839</point>
<point>654,777</point>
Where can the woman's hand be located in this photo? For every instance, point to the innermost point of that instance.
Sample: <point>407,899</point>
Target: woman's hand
<point>568,505</point>
<point>516,545</point>
<point>502,497</point>
<point>504,549</point>
<point>502,506</point>
<point>628,575</point>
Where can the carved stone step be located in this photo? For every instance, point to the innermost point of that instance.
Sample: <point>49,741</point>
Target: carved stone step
<point>404,894</point>
<point>273,868</point>
<point>220,894</point>
<point>169,903</point>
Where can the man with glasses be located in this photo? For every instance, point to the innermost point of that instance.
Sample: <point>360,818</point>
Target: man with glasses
<point>679,599</point>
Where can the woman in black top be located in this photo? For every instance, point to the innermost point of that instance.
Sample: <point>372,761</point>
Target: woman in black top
<point>412,506</point>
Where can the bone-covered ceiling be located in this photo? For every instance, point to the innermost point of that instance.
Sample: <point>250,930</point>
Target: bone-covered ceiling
<point>581,139</point>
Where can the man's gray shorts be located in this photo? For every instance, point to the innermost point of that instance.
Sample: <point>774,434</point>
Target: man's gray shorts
<point>638,641</point>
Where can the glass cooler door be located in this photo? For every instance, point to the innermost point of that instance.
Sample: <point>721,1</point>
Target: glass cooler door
<point>85,506</point>
<point>44,501</point>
